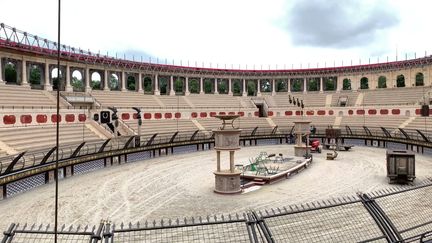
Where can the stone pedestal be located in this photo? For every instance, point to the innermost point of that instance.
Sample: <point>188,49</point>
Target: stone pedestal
<point>227,139</point>
<point>301,150</point>
<point>302,131</point>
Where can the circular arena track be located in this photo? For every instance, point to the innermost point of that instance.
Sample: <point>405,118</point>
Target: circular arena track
<point>182,185</point>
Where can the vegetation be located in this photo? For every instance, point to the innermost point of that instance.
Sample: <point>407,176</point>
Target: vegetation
<point>329,83</point>
<point>222,87</point>
<point>10,73</point>
<point>114,83</point>
<point>419,79</point>
<point>364,83</point>
<point>178,86</point>
<point>281,86</point>
<point>194,86</point>
<point>236,87</point>
<point>147,84</point>
<point>131,83</point>
<point>400,81</point>
<point>382,82</point>
<point>35,76</point>
<point>296,84</point>
<point>346,84</point>
<point>266,85</point>
<point>77,84</point>
<point>96,84</point>
<point>251,88</point>
<point>313,84</point>
<point>208,86</point>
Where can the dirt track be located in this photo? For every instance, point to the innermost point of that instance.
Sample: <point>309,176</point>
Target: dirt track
<point>182,185</point>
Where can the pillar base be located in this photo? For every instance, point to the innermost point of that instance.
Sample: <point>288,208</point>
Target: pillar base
<point>140,90</point>
<point>27,85</point>
<point>300,151</point>
<point>227,182</point>
<point>201,92</point>
<point>48,87</point>
<point>172,93</point>
<point>216,93</point>
<point>106,89</point>
<point>123,90</point>
<point>244,94</point>
<point>273,93</point>
<point>88,89</point>
<point>230,93</point>
<point>69,89</point>
<point>156,92</point>
<point>187,93</point>
<point>259,94</point>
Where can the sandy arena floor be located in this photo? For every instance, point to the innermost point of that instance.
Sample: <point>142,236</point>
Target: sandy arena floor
<point>182,185</point>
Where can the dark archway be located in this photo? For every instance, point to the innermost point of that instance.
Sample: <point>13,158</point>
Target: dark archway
<point>266,86</point>
<point>313,84</point>
<point>329,83</point>
<point>208,86</point>
<point>77,81</point>
<point>96,81</point>
<point>114,82</point>
<point>296,84</point>
<point>35,77</point>
<point>419,79</point>
<point>236,87</point>
<point>251,87</point>
<point>10,73</point>
<point>400,81</point>
<point>281,85</point>
<point>148,85</point>
<point>131,83</point>
<point>346,84</point>
<point>179,85</point>
<point>364,83</point>
<point>194,86</point>
<point>382,82</point>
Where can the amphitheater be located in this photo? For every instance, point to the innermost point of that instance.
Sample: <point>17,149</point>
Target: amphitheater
<point>154,183</point>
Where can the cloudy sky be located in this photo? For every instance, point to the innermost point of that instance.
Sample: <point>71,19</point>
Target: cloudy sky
<point>257,33</point>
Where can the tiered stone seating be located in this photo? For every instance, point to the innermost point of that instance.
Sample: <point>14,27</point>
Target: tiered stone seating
<point>318,121</point>
<point>172,102</point>
<point>373,121</point>
<point>162,126</point>
<point>395,96</point>
<point>242,123</point>
<point>421,123</point>
<point>312,99</point>
<point>352,97</point>
<point>18,96</point>
<point>124,99</point>
<point>35,137</point>
<point>220,101</point>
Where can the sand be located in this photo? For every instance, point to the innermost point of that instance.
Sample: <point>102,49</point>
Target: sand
<point>182,186</point>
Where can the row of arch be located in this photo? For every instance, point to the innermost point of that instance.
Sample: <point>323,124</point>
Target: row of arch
<point>382,82</point>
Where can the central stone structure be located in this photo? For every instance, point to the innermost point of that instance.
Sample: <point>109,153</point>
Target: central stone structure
<point>227,138</point>
<point>302,131</point>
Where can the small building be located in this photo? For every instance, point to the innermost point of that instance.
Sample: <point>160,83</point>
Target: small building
<point>400,166</point>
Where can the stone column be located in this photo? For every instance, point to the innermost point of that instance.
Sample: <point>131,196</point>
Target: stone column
<point>187,86</point>
<point>321,85</point>
<point>24,81</point>
<point>258,87</point>
<point>244,88</point>
<point>140,86</point>
<point>68,87</point>
<point>1,72</point>
<point>218,161</point>
<point>304,85</point>
<point>201,85</point>
<point>229,87</point>
<point>156,85</point>
<point>47,85</point>
<point>231,161</point>
<point>273,87</point>
<point>87,80</point>
<point>123,81</point>
<point>216,86</point>
<point>106,86</point>
<point>289,85</point>
<point>172,92</point>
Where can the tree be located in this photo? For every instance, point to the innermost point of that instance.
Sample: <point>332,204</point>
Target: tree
<point>364,83</point>
<point>222,87</point>
<point>313,84</point>
<point>147,84</point>
<point>208,86</point>
<point>329,83</point>
<point>400,81</point>
<point>131,83</point>
<point>382,80</point>
<point>77,84</point>
<point>266,85</point>
<point>251,89</point>
<point>419,79</point>
<point>178,86</point>
<point>10,73</point>
<point>194,86</point>
<point>35,76</point>
<point>114,83</point>
<point>296,84</point>
<point>281,86</point>
<point>346,84</point>
<point>236,87</point>
<point>95,84</point>
<point>163,85</point>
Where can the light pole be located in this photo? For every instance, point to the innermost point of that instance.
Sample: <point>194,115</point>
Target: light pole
<point>138,139</point>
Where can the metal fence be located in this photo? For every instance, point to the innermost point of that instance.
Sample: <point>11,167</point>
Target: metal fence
<point>400,214</point>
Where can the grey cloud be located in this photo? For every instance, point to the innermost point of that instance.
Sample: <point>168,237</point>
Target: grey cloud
<point>339,23</point>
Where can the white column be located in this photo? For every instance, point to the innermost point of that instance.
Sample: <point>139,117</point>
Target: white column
<point>216,86</point>
<point>106,86</point>
<point>201,85</point>
<point>68,87</point>
<point>289,85</point>
<point>156,85</point>
<point>321,85</point>
<point>24,81</point>
<point>1,72</point>
<point>229,87</point>
<point>244,88</point>
<point>187,86</point>
<point>304,85</point>
<point>87,80</point>
<point>172,92</point>
<point>47,85</point>
<point>258,87</point>
<point>273,87</point>
<point>140,89</point>
<point>123,81</point>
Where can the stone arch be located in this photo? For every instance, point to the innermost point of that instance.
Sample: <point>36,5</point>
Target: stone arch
<point>364,83</point>
<point>222,86</point>
<point>251,87</point>
<point>77,81</point>
<point>179,85</point>
<point>313,84</point>
<point>96,81</point>
<point>57,82</point>
<point>346,84</point>
<point>382,82</point>
<point>163,85</point>
<point>114,81</point>
<point>296,84</point>
<point>400,81</point>
<point>419,79</point>
<point>194,85</point>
